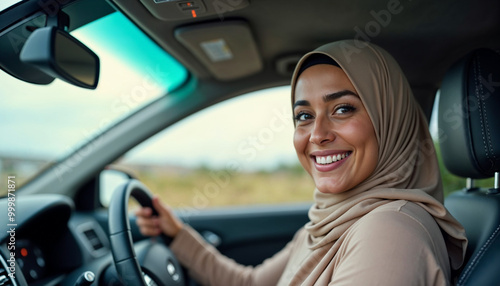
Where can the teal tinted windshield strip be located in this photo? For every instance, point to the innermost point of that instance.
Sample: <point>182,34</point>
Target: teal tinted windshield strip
<point>124,40</point>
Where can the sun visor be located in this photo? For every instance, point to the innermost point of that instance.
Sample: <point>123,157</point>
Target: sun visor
<point>227,49</point>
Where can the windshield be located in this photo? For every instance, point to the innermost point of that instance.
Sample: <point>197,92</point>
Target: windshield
<point>42,124</point>
<point>7,3</point>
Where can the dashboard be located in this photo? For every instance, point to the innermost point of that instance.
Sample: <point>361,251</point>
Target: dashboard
<point>30,259</point>
<point>45,242</point>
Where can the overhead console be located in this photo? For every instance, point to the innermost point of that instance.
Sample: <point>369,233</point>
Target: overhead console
<point>227,49</point>
<point>168,10</point>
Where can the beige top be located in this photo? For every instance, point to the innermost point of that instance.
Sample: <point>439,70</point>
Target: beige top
<point>398,243</point>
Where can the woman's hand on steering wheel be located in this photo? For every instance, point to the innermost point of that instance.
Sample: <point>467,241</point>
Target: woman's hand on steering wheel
<point>165,222</point>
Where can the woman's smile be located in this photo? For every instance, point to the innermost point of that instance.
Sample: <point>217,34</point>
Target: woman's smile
<point>326,161</point>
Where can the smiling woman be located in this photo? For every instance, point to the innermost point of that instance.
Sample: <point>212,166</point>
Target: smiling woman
<point>377,216</point>
<point>134,72</point>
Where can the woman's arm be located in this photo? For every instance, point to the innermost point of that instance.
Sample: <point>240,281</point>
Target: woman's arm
<point>209,267</point>
<point>205,263</point>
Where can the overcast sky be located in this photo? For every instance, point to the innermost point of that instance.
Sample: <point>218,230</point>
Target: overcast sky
<point>49,122</point>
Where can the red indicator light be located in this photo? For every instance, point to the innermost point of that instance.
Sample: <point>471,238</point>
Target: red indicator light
<point>24,252</point>
<point>193,12</point>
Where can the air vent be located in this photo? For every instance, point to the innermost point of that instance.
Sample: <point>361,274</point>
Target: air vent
<point>5,279</point>
<point>93,237</point>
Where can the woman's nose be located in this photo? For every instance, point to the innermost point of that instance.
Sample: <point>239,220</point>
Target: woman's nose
<point>322,132</point>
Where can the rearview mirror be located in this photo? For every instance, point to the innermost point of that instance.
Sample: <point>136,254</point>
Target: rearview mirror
<point>109,180</point>
<point>60,55</point>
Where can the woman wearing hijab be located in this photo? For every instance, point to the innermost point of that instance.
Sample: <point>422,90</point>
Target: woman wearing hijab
<point>377,217</point>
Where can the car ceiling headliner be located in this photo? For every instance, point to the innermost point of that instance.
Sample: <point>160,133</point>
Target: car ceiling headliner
<point>426,37</point>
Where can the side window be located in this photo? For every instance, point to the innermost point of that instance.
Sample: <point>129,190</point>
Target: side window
<point>238,152</point>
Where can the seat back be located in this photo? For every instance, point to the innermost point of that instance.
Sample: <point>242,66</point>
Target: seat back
<point>469,125</point>
<point>479,213</point>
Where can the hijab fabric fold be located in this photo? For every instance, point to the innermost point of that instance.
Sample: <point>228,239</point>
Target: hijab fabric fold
<point>407,167</point>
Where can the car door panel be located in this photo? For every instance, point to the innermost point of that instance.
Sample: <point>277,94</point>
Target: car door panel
<point>251,234</point>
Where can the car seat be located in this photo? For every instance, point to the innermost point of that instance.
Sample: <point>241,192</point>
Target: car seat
<point>469,137</point>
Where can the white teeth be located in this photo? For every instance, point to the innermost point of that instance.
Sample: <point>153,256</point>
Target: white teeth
<point>330,159</point>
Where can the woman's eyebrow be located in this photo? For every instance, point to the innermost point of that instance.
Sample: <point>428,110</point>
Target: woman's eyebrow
<point>301,103</point>
<point>338,94</point>
<point>326,98</point>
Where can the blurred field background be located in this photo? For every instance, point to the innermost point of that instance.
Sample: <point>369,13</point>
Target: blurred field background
<point>452,183</point>
<point>204,187</point>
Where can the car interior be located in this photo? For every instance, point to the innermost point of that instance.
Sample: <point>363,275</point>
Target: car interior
<point>56,229</point>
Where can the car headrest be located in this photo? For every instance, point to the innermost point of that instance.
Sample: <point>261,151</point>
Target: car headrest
<point>469,115</point>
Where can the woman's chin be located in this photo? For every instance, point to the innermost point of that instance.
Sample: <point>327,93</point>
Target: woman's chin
<point>328,187</point>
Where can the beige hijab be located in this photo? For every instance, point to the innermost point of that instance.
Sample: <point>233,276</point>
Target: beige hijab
<point>407,166</point>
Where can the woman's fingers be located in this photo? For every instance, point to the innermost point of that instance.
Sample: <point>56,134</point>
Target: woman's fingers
<point>159,206</point>
<point>166,221</point>
<point>143,212</point>
<point>169,223</point>
<point>149,231</point>
<point>148,225</point>
<point>147,221</point>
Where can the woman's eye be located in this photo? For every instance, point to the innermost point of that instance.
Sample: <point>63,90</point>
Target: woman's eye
<point>303,116</point>
<point>344,109</point>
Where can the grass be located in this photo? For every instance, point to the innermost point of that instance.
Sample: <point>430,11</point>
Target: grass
<point>19,181</point>
<point>202,188</point>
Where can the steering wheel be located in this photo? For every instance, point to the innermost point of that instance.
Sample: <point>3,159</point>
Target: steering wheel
<point>161,259</point>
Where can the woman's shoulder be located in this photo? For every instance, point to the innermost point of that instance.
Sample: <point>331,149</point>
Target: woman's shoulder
<point>398,241</point>
<point>401,210</point>
<point>398,224</point>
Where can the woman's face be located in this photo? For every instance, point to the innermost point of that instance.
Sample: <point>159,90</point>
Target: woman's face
<point>334,136</point>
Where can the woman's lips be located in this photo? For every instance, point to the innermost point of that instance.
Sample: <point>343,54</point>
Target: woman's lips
<point>325,162</point>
